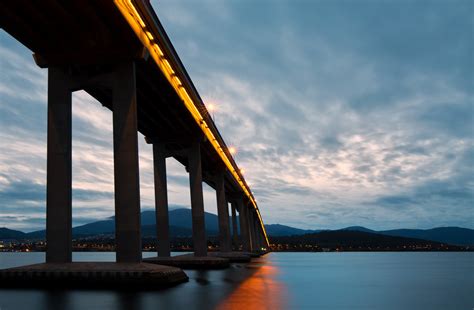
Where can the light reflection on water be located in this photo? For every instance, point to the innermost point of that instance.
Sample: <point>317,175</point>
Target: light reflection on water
<point>279,281</point>
<point>261,290</point>
<point>242,286</point>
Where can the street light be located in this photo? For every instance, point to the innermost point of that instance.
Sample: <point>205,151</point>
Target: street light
<point>211,108</point>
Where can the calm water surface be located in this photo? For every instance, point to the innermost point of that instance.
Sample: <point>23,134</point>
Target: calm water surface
<point>280,281</point>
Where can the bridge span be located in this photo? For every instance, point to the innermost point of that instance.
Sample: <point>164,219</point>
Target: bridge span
<point>119,53</point>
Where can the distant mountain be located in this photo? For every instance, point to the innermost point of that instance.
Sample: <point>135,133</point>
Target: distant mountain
<point>351,240</point>
<point>6,233</point>
<point>100,227</point>
<point>449,235</point>
<point>358,228</point>
<point>149,231</point>
<point>39,234</point>
<point>282,230</point>
<point>183,218</point>
<point>94,228</point>
<point>180,220</point>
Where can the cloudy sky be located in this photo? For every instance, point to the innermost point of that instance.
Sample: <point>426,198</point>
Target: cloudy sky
<point>343,113</point>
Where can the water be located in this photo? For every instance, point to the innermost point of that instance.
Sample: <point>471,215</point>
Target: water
<point>280,281</point>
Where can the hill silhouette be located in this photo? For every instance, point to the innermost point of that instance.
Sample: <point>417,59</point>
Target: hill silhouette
<point>351,240</point>
<point>180,220</point>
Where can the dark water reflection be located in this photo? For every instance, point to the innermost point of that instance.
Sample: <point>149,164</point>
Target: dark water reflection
<point>242,286</point>
<point>280,281</point>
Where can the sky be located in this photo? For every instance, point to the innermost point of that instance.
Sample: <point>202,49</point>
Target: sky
<point>342,113</point>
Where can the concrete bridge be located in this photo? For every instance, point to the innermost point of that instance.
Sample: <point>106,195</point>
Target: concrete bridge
<point>119,53</point>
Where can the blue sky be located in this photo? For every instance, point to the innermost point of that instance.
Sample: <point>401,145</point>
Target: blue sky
<point>343,113</point>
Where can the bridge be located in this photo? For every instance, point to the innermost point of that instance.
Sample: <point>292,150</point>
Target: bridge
<point>119,53</point>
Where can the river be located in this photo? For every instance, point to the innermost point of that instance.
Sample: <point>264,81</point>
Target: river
<point>388,280</point>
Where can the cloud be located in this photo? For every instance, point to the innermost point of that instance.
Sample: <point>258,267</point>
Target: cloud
<point>348,102</point>
<point>342,113</point>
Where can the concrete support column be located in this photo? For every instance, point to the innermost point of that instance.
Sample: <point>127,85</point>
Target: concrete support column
<point>259,235</point>
<point>59,163</point>
<point>253,236</point>
<point>235,233</point>
<point>225,244</point>
<point>263,242</point>
<point>197,201</point>
<point>161,200</point>
<point>262,238</point>
<point>127,187</point>
<point>244,225</point>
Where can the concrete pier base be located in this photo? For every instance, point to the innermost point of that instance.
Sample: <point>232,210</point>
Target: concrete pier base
<point>262,253</point>
<point>233,257</point>
<point>102,275</point>
<point>254,254</point>
<point>189,261</point>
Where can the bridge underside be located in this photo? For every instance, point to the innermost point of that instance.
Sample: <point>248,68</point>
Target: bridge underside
<point>78,36</point>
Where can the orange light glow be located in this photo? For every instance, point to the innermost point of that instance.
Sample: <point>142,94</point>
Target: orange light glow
<point>260,291</point>
<point>149,35</point>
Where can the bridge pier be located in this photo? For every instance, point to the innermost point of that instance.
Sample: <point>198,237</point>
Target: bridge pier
<point>59,270</point>
<point>259,237</point>
<point>127,187</point>
<point>244,225</point>
<point>197,201</point>
<point>253,237</point>
<point>200,258</point>
<point>235,232</point>
<point>222,213</point>
<point>225,238</point>
<point>161,199</point>
<point>59,165</point>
